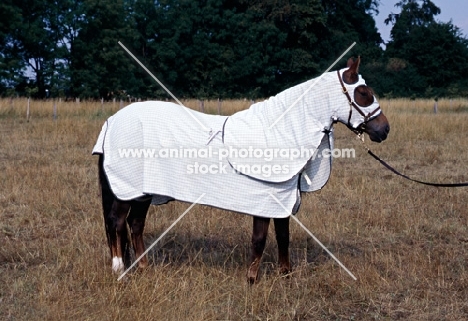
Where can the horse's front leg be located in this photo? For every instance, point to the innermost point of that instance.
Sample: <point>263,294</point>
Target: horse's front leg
<point>259,237</point>
<point>282,238</point>
<point>136,222</point>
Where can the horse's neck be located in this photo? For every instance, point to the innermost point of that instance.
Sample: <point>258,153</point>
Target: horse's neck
<point>295,118</point>
<point>309,99</point>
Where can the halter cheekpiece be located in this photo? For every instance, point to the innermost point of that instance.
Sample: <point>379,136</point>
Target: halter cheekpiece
<point>352,105</point>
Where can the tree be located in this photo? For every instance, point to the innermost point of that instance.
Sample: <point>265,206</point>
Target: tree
<point>222,48</point>
<point>100,68</point>
<point>10,64</point>
<point>287,35</point>
<point>33,41</point>
<point>349,21</point>
<point>68,19</point>
<point>432,55</point>
<point>204,49</point>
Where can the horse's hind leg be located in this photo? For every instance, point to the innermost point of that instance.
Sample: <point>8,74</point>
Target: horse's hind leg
<point>259,237</point>
<point>117,234</point>
<point>136,222</point>
<point>115,212</point>
<point>282,238</point>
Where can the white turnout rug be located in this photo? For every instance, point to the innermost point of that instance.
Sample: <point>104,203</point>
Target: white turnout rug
<point>254,162</point>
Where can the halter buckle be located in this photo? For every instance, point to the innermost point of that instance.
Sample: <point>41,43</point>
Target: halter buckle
<point>360,136</point>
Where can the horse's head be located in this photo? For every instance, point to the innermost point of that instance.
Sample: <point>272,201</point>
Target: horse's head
<point>365,114</point>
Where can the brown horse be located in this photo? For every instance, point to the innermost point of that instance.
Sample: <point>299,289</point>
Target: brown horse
<point>118,214</point>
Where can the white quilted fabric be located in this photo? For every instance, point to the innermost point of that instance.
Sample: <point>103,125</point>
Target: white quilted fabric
<point>240,162</point>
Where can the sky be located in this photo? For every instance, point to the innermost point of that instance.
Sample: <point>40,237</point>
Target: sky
<point>455,10</point>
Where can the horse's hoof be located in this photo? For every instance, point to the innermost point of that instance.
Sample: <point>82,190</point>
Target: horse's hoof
<point>252,277</point>
<point>142,265</point>
<point>251,280</point>
<point>285,272</point>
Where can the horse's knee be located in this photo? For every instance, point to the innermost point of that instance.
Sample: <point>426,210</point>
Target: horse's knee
<point>260,232</point>
<point>259,242</point>
<point>282,232</point>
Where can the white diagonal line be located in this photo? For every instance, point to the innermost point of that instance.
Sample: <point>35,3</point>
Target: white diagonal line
<point>311,86</point>
<point>162,85</point>
<point>329,253</point>
<point>313,236</point>
<point>160,237</point>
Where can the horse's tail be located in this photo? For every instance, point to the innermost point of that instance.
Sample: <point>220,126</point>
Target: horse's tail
<point>107,195</point>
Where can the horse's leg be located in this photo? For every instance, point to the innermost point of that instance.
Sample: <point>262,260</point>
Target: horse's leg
<point>117,229</point>
<point>136,222</point>
<point>259,236</point>
<point>115,212</point>
<point>282,238</point>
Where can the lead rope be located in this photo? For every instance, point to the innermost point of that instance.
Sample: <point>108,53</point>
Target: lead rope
<point>360,137</point>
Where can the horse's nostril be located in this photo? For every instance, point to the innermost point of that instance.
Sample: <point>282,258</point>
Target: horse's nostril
<point>387,129</point>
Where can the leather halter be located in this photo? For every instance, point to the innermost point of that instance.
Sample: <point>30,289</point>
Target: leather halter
<point>352,105</point>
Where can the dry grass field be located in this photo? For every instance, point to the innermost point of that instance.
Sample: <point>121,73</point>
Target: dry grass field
<point>406,243</point>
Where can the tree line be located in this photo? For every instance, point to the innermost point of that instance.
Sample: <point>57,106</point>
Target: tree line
<point>221,48</point>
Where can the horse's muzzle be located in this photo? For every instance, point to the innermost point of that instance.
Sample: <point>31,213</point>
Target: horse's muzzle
<point>378,128</point>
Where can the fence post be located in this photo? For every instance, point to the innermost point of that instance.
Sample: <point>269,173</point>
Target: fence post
<point>27,111</point>
<point>202,105</point>
<point>55,110</point>
<point>219,106</point>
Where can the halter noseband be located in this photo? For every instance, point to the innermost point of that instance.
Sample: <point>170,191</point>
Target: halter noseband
<point>352,104</point>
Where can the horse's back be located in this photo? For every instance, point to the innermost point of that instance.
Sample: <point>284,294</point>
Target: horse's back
<point>166,112</point>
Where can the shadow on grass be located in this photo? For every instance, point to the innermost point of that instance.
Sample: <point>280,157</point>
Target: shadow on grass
<point>233,252</point>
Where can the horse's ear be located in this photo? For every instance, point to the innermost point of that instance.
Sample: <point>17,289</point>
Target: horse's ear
<point>351,76</point>
<point>355,65</point>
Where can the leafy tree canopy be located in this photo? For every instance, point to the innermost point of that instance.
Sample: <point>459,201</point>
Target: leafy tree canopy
<point>221,48</point>
<point>430,55</point>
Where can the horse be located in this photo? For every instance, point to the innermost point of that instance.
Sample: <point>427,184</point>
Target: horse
<point>300,118</point>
